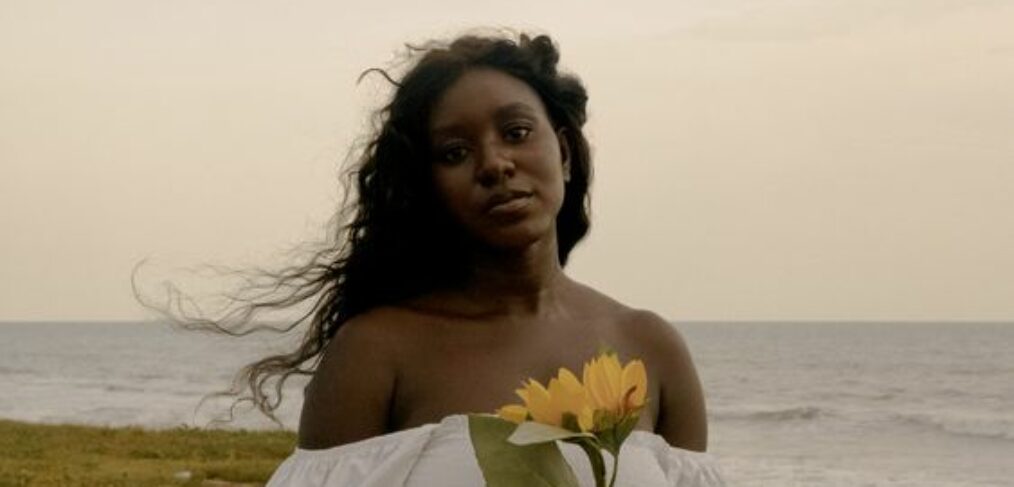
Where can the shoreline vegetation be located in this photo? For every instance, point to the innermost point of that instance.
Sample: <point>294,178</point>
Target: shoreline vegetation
<point>34,454</point>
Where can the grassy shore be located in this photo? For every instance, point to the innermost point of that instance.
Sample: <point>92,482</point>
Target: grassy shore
<point>64,455</point>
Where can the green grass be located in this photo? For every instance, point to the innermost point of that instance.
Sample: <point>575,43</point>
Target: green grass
<point>64,455</point>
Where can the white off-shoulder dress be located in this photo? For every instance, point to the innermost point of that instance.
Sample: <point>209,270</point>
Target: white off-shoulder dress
<point>442,455</point>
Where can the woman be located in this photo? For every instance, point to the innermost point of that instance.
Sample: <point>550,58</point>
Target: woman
<point>450,290</point>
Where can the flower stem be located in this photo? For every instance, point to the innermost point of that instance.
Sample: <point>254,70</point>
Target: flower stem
<point>616,466</point>
<point>598,464</point>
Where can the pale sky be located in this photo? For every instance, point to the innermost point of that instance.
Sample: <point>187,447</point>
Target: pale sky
<point>755,160</point>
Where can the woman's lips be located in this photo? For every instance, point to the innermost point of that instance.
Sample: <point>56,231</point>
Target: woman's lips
<point>516,203</point>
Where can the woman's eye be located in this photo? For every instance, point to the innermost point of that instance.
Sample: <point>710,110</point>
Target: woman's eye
<point>453,155</point>
<point>517,133</point>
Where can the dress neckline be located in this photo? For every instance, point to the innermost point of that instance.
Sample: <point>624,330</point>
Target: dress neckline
<point>458,424</point>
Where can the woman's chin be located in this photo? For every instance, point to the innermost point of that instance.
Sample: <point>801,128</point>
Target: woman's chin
<point>518,239</point>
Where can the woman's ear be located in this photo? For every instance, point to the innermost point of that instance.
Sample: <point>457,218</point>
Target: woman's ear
<point>561,137</point>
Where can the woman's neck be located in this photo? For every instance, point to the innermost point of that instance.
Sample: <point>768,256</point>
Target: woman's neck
<point>517,283</point>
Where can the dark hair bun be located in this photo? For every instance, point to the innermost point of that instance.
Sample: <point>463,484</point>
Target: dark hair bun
<point>543,51</point>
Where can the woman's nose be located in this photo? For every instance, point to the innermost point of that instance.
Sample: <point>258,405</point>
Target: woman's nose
<point>494,166</point>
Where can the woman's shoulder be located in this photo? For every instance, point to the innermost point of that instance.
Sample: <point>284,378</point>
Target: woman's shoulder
<point>639,323</point>
<point>644,334</point>
<point>653,337</point>
<point>348,396</point>
<point>394,334</point>
<point>387,327</point>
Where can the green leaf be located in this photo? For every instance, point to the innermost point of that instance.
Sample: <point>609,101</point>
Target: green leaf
<point>530,432</point>
<point>506,465</point>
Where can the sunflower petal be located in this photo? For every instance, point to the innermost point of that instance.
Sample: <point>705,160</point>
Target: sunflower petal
<point>514,413</point>
<point>614,378</point>
<point>635,376</point>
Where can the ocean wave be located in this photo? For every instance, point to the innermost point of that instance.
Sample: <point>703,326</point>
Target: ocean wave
<point>838,396</point>
<point>992,426</point>
<point>801,413</point>
<point>17,371</point>
<point>122,388</point>
<point>981,427</point>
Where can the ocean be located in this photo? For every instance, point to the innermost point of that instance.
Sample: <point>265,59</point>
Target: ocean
<point>790,404</point>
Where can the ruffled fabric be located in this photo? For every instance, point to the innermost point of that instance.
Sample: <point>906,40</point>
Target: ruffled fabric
<point>442,455</point>
<point>681,467</point>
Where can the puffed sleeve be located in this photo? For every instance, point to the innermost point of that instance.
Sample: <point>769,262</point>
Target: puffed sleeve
<point>686,468</point>
<point>383,461</point>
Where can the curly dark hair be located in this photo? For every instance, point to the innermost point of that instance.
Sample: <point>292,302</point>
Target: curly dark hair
<point>394,240</point>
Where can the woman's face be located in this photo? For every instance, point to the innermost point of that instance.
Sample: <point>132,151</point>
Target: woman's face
<point>499,165</point>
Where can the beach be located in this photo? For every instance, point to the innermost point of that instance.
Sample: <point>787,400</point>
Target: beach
<point>790,404</point>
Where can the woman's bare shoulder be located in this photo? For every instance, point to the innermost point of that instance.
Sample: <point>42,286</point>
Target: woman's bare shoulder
<point>380,326</point>
<point>646,335</point>
<point>595,302</point>
<point>656,333</point>
<point>349,396</point>
<point>640,322</point>
<point>681,409</point>
<point>651,335</point>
